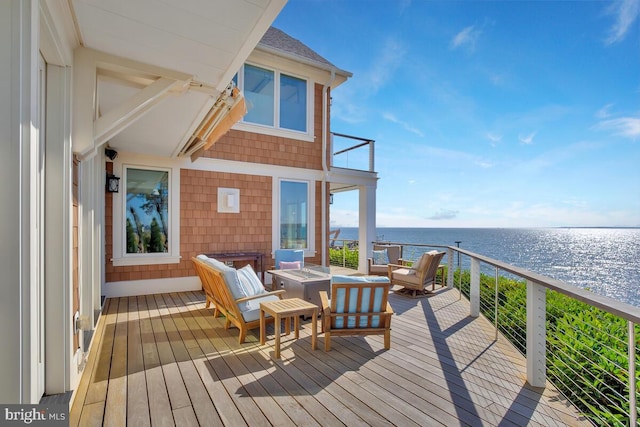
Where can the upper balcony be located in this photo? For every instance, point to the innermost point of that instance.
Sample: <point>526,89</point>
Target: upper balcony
<point>352,152</point>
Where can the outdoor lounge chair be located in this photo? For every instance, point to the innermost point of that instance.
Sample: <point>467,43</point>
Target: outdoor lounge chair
<point>419,276</point>
<point>382,256</point>
<point>289,259</point>
<point>358,306</point>
<point>236,294</point>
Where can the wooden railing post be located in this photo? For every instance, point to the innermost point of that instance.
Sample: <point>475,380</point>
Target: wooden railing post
<point>536,334</point>
<point>474,291</point>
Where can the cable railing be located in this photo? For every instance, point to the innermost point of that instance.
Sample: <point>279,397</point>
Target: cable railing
<point>586,344</point>
<point>344,253</point>
<point>360,156</point>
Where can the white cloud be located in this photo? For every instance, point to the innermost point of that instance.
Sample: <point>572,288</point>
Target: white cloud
<point>444,214</point>
<point>393,119</point>
<point>494,138</point>
<point>386,63</point>
<point>604,112</point>
<point>626,12</point>
<point>527,139</point>
<point>628,127</point>
<point>468,38</point>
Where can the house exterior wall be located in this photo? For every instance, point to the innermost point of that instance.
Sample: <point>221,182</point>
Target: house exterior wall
<point>203,229</point>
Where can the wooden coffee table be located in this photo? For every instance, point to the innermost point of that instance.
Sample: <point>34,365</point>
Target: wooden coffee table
<point>287,309</point>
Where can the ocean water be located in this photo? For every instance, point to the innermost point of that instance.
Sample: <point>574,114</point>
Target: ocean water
<point>603,260</point>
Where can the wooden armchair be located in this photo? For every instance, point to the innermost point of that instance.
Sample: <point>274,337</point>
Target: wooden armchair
<point>419,276</point>
<point>382,256</point>
<point>238,302</point>
<point>357,307</point>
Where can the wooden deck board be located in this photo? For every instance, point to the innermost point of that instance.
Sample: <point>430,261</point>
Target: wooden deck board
<point>168,361</point>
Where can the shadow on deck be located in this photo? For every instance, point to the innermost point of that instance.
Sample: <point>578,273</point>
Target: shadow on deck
<point>164,359</point>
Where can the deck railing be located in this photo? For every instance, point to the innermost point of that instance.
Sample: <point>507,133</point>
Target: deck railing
<point>352,152</point>
<point>585,344</point>
<point>344,253</point>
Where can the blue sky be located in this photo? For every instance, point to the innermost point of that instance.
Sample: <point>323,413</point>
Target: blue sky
<point>486,114</point>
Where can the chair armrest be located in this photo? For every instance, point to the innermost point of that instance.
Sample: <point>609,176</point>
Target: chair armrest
<point>324,299</point>
<point>325,313</point>
<point>389,310</point>
<point>244,299</point>
<point>391,267</point>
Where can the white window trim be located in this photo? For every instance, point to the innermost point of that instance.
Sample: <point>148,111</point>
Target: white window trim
<point>276,130</point>
<point>311,214</point>
<point>120,257</point>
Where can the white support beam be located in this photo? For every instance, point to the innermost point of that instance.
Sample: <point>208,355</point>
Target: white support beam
<point>536,334</point>
<point>84,101</point>
<point>367,224</point>
<point>475,288</point>
<point>88,64</point>
<point>117,119</point>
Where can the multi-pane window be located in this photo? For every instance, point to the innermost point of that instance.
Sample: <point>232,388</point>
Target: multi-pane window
<point>147,211</point>
<point>275,99</point>
<point>294,215</point>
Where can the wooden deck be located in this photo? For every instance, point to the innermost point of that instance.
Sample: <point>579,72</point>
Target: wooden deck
<point>164,360</point>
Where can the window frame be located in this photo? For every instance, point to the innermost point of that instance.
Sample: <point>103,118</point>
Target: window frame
<point>276,130</point>
<point>120,257</point>
<point>311,220</point>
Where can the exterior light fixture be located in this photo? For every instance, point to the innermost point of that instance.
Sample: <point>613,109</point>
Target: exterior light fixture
<point>113,183</point>
<point>110,153</point>
<point>330,199</point>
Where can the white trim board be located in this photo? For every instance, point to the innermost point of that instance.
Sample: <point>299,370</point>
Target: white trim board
<point>151,286</point>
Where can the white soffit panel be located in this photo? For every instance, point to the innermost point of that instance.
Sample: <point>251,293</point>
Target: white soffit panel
<point>200,37</point>
<point>160,131</point>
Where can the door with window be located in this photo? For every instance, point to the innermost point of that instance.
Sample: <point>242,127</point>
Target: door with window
<point>294,215</point>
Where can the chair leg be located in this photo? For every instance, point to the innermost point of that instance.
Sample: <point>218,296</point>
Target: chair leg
<point>242,336</point>
<point>327,341</point>
<point>387,339</point>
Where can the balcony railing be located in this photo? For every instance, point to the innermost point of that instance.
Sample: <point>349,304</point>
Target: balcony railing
<point>352,152</point>
<point>586,344</point>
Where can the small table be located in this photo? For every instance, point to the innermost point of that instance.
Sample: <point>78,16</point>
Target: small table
<point>285,309</point>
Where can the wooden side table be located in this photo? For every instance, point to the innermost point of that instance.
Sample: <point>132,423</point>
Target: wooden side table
<point>286,309</point>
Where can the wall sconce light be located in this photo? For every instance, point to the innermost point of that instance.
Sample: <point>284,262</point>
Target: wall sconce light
<point>110,153</point>
<point>113,183</point>
<point>330,199</point>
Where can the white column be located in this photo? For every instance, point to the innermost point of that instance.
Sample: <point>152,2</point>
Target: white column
<point>58,229</point>
<point>475,288</point>
<point>18,116</point>
<point>536,334</point>
<point>367,224</point>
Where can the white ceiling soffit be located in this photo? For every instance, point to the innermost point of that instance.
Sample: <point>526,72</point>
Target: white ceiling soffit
<point>207,39</point>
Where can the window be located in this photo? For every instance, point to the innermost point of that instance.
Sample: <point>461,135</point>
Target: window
<point>147,211</point>
<point>293,103</point>
<point>294,215</point>
<point>259,90</point>
<point>275,99</point>
<point>146,227</point>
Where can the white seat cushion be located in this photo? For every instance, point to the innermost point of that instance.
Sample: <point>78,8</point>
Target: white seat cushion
<point>253,313</point>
